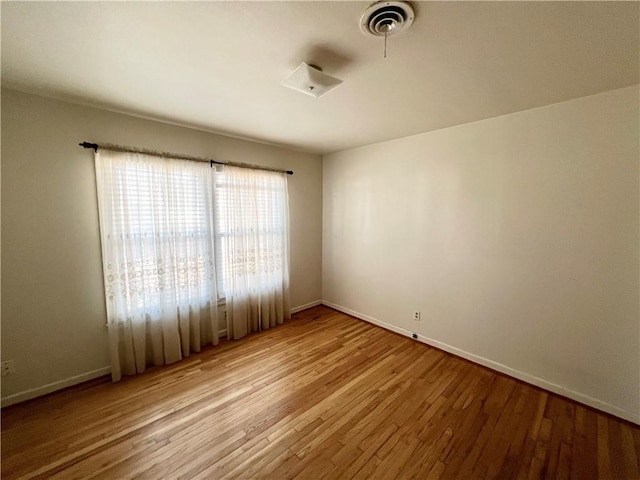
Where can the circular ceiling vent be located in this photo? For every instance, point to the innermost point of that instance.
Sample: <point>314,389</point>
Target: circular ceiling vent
<point>386,18</point>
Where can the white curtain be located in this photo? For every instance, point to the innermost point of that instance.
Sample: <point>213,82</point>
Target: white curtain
<point>156,225</point>
<point>252,213</point>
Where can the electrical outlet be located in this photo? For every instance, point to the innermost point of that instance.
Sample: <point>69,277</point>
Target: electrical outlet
<point>416,316</point>
<point>7,368</point>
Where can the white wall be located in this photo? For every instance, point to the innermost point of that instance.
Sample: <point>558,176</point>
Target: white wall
<point>517,238</point>
<point>53,313</point>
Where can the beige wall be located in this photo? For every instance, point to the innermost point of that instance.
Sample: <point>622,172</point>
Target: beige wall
<point>516,237</point>
<point>53,313</point>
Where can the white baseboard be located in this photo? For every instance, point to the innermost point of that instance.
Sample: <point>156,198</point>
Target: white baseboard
<point>52,387</point>
<point>305,306</point>
<point>525,377</point>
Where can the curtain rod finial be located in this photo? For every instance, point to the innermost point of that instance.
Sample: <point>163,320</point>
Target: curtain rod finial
<point>89,145</point>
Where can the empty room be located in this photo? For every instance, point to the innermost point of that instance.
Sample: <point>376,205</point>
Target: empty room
<point>320,240</point>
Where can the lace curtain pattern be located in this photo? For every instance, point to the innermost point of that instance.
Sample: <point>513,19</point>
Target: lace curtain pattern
<point>156,227</point>
<point>252,232</point>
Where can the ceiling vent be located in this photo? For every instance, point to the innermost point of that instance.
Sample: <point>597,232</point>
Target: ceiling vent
<point>383,19</point>
<point>310,80</point>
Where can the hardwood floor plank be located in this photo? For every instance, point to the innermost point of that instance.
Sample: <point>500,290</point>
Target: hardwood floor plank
<point>604,459</point>
<point>324,396</point>
<point>368,454</point>
<point>632,463</point>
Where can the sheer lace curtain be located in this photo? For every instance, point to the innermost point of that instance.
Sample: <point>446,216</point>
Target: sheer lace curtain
<point>252,215</point>
<point>156,224</point>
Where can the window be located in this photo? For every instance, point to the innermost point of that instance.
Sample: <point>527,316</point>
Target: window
<point>156,231</point>
<point>251,226</point>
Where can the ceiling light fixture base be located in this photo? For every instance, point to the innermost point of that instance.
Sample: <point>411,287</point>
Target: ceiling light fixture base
<point>310,80</point>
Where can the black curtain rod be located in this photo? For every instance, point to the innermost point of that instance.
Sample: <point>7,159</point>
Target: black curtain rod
<point>119,148</point>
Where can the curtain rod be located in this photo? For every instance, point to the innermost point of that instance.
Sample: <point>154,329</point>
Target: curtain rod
<point>120,148</point>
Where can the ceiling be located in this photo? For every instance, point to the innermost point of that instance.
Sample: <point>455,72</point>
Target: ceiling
<point>217,66</point>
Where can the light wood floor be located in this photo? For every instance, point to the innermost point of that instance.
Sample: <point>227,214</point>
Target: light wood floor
<point>324,396</point>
